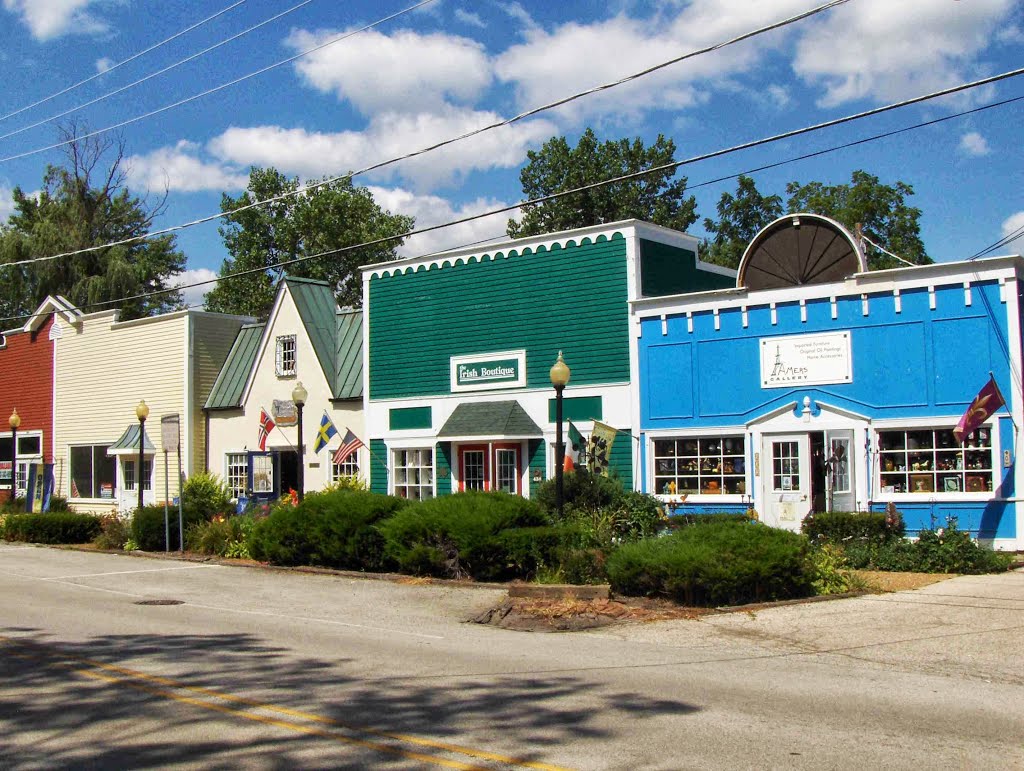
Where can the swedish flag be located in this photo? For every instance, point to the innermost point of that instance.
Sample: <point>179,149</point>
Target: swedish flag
<point>324,433</point>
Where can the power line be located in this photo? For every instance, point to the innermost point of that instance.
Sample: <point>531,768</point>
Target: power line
<point>152,75</point>
<point>215,89</point>
<point>565,193</point>
<point>131,58</point>
<point>1009,238</point>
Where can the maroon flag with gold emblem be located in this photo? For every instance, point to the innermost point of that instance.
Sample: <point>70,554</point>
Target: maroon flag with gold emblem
<point>982,408</point>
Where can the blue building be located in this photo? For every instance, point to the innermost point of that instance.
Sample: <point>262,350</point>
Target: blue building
<point>816,385</point>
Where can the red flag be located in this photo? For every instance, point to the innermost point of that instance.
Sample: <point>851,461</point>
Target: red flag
<point>982,408</point>
<point>349,445</point>
<point>266,426</point>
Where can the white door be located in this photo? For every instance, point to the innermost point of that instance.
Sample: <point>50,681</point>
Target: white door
<point>839,487</point>
<point>787,480</point>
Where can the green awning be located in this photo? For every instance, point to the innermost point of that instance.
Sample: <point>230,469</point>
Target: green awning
<point>129,442</point>
<point>496,420</point>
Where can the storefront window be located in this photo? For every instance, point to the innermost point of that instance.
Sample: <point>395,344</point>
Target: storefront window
<point>92,472</point>
<point>349,467</point>
<point>414,473</point>
<point>237,472</point>
<point>706,465</point>
<point>932,461</point>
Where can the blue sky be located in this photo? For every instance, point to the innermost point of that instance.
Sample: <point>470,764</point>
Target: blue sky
<point>449,67</point>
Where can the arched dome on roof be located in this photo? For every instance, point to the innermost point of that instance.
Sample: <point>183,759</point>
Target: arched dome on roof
<point>800,249</point>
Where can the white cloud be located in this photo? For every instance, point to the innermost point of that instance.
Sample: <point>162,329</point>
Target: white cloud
<point>1013,223</point>
<point>974,144</point>
<point>433,210</point>
<point>406,71</point>
<point>47,19</point>
<point>883,51</point>
<point>104,64</point>
<point>316,154</point>
<point>180,168</point>
<point>472,19</point>
<point>6,203</point>
<point>195,295</point>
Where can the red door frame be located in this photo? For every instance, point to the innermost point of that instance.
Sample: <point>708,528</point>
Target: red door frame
<point>463,449</point>
<point>517,446</point>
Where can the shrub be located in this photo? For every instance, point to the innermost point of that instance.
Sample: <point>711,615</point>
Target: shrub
<point>725,563</point>
<point>59,503</point>
<point>581,490</point>
<point>205,496</point>
<point>946,550</point>
<point>114,532</point>
<point>147,526</point>
<point>13,506</point>
<point>333,529</point>
<point>462,535</point>
<point>845,526</point>
<point>829,569</point>
<point>56,527</point>
<point>221,536</point>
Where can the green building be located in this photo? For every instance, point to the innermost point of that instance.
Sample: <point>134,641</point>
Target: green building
<point>458,347</point>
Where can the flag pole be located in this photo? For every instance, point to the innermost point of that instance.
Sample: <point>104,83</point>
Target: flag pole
<point>1006,404</point>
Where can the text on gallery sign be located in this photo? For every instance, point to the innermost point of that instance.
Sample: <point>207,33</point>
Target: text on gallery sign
<point>806,360</point>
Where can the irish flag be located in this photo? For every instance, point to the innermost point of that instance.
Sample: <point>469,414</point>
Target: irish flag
<point>573,448</point>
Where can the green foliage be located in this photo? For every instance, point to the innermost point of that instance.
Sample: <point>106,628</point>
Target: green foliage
<point>946,550</point>
<point>221,536</point>
<point>330,217</point>
<point>114,532</point>
<point>463,535</point>
<point>352,483</point>
<point>581,491</point>
<point>57,527</point>
<point>740,218</point>
<point>724,563</point>
<point>206,496</point>
<point>13,506</point>
<point>557,167</point>
<point>147,526</point>
<point>829,569</point>
<point>881,210</point>
<point>59,503</point>
<point>860,526</point>
<point>81,204</point>
<point>335,529</point>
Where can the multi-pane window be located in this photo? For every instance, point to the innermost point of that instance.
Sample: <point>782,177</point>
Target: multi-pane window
<point>506,470</point>
<point>414,473</point>
<point>263,474</point>
<point>473,471</point>
<point>706,464</point>
<point>349,466</point>
<point>932,461</point>
<point>285,358</point>
<point>237,469</point>
<point>785,466</point>
<point>92,472</point>
<point>129,475</point>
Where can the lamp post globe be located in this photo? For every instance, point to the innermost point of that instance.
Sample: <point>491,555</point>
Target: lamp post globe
<point>560,374</point>
<point>299,396</point>
<point>141,412</point>
<point>14,422</point>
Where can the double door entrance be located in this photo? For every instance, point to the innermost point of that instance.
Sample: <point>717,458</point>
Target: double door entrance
<point>804,473</point>
<point>492,466</point>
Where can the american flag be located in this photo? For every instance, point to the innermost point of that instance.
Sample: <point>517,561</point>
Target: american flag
<point>349,445</point>
<point>266,426</point>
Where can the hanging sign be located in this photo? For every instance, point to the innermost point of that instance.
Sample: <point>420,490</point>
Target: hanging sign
<point>284,412</point>
<point>799,360</point>
<point>484,372</point>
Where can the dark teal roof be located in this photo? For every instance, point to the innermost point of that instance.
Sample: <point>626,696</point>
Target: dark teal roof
<point>130,441</point>
<point>490,419</point>
<point>227,391</point>
<point>349,382</point>
<point>314,300</point>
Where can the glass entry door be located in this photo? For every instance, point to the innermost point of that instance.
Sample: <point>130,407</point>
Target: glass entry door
<point>839,487</point>
<point>787,480</point>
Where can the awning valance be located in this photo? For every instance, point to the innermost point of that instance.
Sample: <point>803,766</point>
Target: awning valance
<point>129,443</point>
<point>497,420</point>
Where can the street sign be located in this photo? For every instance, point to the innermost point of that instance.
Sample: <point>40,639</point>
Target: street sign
<point>170,432</point>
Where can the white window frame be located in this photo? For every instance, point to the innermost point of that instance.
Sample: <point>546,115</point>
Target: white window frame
<point>282,366</point>
<point>701,439</point>
<point>515,469</point>
<point>129,464</point>
<point>349,467</point>
<point>401,484</point>
<point>105,446</point>
<point>884,478</point>
<point>231,477</point>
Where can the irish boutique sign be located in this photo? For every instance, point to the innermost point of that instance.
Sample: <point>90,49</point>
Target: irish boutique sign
<point>797,360</point>
<point>482,372</point>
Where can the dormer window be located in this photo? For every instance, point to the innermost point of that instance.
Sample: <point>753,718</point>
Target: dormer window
<point>286,356</point>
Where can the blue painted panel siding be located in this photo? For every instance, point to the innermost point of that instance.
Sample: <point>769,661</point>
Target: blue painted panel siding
<point>954,371</point>
<point>670,391</point>
<point>983,519</point>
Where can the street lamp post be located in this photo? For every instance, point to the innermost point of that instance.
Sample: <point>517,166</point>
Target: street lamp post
<point>14,422</point>
<point>141,412</point>
<point>299,395</point>
<point>559,379</point>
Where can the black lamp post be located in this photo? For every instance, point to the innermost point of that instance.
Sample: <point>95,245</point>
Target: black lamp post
<point>141,412</point>
<point>14,422</point>
<point>559,379</point>
<point>299,395</point>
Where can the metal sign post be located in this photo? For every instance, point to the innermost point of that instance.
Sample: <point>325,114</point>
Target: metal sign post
<point>167,495</point>
<point>170,436</point>
<point>181,527</point>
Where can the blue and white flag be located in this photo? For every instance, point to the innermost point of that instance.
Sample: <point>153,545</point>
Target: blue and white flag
<point>324,433</point>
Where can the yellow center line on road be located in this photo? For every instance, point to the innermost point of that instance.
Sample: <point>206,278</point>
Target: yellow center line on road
<point>128,675</point>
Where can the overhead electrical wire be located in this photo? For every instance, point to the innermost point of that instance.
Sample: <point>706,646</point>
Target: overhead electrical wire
<point>159,72</point>
<point>574,191</point>
<point>215,89</point>
<point>1006,240</point>
<point>121,63</point>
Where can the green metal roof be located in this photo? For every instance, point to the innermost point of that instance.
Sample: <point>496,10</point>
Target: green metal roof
<point>490,419</point>
<point>130,441</point>
<point>314,300</point>
<point>349,382</point>
<point>227,391</point>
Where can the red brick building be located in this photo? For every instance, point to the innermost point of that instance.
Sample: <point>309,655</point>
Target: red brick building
<point>26,385</point>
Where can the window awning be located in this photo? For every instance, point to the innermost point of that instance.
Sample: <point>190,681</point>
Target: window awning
<point>496,420</point>
<point>129,443</point>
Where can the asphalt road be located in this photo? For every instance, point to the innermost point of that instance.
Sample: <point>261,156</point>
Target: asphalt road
<point>266,669</point>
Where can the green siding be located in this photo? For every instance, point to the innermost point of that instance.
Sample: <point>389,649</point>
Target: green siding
<point>577,408</point>
<point>443,463</point>
<point>410,417</point>
<point>570,298</point>
<point>666,270</point>
<point>620,464</point>
<point>378,471</point>
<point>537,461</point>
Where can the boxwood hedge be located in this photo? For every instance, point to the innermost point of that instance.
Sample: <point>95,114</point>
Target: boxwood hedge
<point>54,527</point>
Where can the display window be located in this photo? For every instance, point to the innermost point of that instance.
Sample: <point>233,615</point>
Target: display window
<point>700,465</point>
<point>414,473</point>
<point>930,461</point>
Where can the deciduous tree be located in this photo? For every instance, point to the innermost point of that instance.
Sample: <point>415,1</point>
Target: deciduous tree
<point>740,217</point>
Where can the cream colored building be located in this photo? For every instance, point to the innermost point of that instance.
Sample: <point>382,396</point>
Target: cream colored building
<point>103,368</point>
<point>309,340</point>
